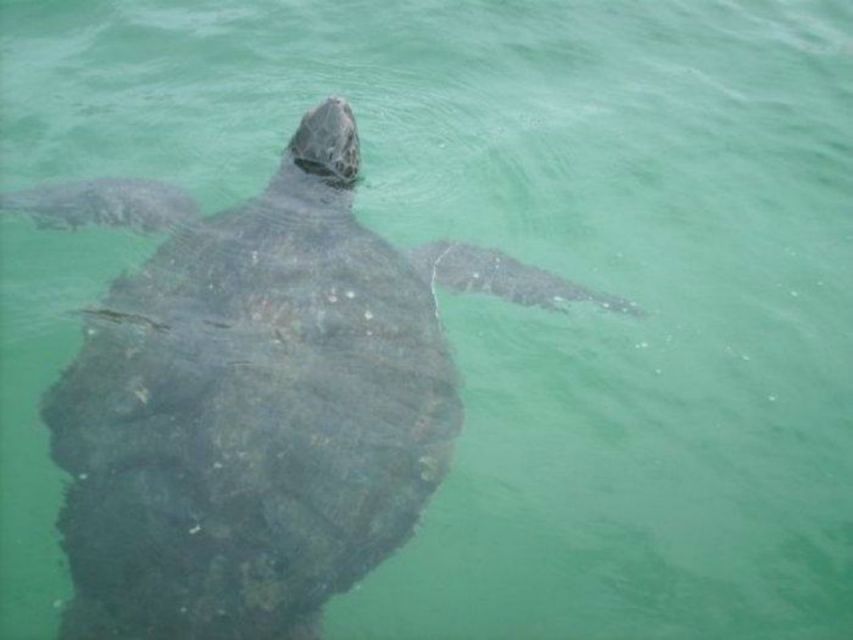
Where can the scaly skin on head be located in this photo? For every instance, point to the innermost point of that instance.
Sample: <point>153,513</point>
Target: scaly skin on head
<point>326,142</point>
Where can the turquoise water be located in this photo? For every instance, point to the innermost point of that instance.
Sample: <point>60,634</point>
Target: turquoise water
<point>684,475</point>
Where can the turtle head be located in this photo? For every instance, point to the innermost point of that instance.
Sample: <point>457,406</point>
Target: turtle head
<point>326,142</point>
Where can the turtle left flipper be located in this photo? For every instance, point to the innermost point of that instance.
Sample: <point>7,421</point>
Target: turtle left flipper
<point>466,268</point>
<point>143,205</point>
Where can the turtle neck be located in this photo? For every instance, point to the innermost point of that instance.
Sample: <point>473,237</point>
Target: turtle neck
<point>306,196</point>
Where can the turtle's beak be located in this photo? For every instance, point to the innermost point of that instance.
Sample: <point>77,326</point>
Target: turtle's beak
<point>336,108</point>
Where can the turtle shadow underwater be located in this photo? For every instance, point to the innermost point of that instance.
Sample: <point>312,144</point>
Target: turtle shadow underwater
<point>256,418</point>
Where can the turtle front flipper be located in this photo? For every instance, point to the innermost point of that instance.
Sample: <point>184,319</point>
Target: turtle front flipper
<point>466,268</point>
<point>143,205</point>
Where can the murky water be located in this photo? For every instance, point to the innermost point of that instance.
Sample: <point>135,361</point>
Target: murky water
<point>683,475</point>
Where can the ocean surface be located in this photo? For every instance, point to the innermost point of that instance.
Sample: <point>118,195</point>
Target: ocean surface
<point>687,474</point>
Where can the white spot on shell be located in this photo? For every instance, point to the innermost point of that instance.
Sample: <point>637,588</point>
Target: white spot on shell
<point>83,476</point>
<point>333,298</point>
<point>350,294</point>
<point>368,315</point>
<point>142,394</point>
<point>195,530</point>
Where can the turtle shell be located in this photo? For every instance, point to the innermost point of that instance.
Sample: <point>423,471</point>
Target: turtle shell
<point>255,420</point>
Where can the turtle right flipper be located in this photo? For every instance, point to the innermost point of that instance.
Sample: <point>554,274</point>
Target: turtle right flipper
<point>469,269</point>
<point>143,205</point>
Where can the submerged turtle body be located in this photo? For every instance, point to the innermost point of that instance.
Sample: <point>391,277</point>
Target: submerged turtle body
<point>255,420</point>
<point>258,416</point>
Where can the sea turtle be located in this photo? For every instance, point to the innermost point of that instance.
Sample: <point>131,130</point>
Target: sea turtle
<point>258,416</point>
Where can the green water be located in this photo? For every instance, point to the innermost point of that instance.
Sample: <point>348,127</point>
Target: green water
<point>685,475</point>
